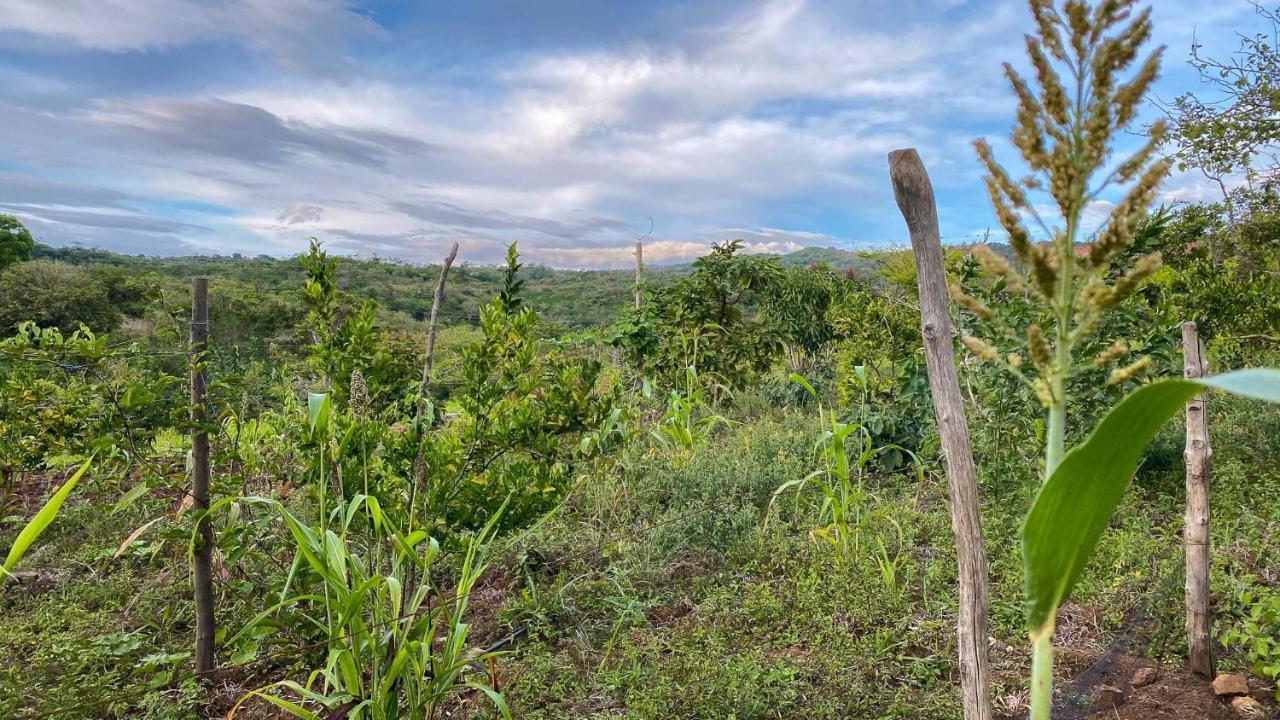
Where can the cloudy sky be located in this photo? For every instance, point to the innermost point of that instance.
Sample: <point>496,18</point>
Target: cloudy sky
<point>391,129</point>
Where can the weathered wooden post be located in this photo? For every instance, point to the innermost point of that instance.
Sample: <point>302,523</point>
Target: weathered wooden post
<point>202,557</point>
<point>914,193</point>
<point>419,463</point>
<point>639,269</point>
<point>1196,522</point>
<point>436,301</point>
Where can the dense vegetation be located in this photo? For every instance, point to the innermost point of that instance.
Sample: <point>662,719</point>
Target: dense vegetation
<point>726,503</point>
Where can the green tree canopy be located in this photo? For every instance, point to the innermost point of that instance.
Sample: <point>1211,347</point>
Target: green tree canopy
<point>54,294</point>
<point>16,244</point>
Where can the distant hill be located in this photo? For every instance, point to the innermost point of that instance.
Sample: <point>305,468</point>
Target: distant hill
<point>573,298</point>
<point>834,257</point>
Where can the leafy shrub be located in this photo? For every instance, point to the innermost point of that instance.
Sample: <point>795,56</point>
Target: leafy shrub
<point>54,294</point>
<point>521,412</point>
<point>710,319</point>
<point>1255,630</point>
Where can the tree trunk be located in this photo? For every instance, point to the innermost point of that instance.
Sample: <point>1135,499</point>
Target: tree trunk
<point>1196,521</point>
<point>914,193</point>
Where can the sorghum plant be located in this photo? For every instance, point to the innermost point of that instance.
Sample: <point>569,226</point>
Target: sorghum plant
<point>1065,133</point>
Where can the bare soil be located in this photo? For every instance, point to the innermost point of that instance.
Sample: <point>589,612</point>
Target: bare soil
<point>1177,694</point>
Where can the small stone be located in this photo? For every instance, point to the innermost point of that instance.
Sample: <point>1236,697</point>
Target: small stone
<point>1109,696</point>
<point>1247,707</point>
<point>1230,684</point>
<point>1144,677</point>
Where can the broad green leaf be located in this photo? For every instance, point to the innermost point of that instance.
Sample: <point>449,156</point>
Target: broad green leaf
<point>799,380</point>
<point>318,406</point>
<point>40,521</point>
<point>1075,505</point>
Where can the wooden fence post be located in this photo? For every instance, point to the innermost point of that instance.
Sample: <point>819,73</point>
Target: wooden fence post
<point>436,301</point>
<point>419,461</point>
<point>202,558</point>
<point>1196,522</point>
<point>914,194</point>
<point>639,269</point>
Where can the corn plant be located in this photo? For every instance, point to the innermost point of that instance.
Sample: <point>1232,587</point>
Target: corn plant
<point>842,483</point>
<point>1064,133</point>
<point>686,422</point>
<point>395,642</point>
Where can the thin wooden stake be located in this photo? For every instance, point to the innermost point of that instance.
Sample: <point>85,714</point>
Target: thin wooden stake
<point>419,462</point>
<point>202,558</point>
<point>639,269</point>
<point>1196,522</point>
<point>436,301</point>
<point>914,194</point>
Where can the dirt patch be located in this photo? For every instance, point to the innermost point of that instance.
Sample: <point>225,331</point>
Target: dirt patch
<point>1176,694</point>
<point>488,597</point>
<point>228,685</point>
<point>23,494</point>
<point>661,616</point>
<point>40,580</point>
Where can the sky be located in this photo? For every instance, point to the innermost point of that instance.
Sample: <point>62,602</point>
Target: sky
<point>392,129</point>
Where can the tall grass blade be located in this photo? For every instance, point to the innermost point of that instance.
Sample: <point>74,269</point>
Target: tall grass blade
<point>39,522</point>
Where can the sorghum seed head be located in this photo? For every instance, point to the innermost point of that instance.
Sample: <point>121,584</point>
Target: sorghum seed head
<point>1114,352</point>
<point>1130,371</point>
<point>969,302</point>
<point>980,348</point>
<point>1038,347</point>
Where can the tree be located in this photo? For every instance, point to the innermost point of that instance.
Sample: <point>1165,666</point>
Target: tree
<point>16,244</point>
<point>1238,130</point>
<point>798,308</point>
<point>54,294</point>
<point>711,318</point>
<point>1224,272</point>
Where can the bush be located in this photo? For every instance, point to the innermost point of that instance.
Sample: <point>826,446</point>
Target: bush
<point>54,294</point>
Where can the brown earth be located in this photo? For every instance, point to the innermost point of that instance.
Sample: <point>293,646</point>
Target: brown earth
<point>1177,694</point>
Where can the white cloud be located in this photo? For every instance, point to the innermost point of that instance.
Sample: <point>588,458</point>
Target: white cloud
<point>299,33</point>
<point>779,114</point>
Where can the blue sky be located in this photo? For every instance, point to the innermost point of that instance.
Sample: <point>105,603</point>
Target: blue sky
<point>392,129</point>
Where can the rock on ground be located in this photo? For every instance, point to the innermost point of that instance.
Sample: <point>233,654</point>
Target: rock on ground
<point>1230,684</point>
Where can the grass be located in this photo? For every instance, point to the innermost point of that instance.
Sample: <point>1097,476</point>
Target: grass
<point>657,591</point>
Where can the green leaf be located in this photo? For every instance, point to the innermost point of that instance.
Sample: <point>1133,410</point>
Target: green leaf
<point>799,380</point>
<point>128,498</point>
<point>1075,505</point>
<point>292,708</point>
<point>39,522</point>
<point>494,696</point>
<point>318,406</point>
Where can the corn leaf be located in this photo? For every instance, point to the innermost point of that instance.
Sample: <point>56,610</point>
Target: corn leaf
<point>39,522</point>
<point>1075,505</point>
<point>318,408</point>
